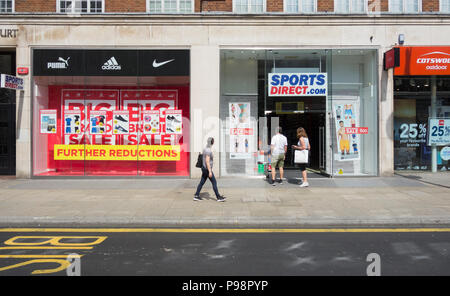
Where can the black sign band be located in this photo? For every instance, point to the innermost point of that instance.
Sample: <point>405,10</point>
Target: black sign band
<point>66,62</point>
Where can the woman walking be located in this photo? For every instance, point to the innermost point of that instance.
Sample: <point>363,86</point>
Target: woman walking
<point>303,144</point>
<point>207,172</point>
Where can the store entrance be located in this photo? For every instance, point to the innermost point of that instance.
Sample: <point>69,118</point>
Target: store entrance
<point>309,114</point>
<point>7,118</point>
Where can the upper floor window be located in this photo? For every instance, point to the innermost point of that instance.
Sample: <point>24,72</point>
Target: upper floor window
<point>404,6</point>
<point>249,6</point>
<point>349,6</point>
<point>6,6</point>
<point>302,6</point>
<point>444,6</point>
<point>170,6</point>
<point>81,6</point>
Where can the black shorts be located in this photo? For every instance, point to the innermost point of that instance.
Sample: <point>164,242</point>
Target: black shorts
<point>302,166</point>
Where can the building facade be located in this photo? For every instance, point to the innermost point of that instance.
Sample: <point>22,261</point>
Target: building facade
<point>134,88</point>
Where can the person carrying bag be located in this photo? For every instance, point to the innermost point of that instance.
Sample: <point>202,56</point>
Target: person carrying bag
<point>302,151</point>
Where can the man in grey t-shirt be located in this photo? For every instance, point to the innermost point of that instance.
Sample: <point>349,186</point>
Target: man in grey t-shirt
<point>207,172</point>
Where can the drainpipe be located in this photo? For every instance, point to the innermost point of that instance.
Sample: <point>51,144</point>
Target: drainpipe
<point>433,115</point>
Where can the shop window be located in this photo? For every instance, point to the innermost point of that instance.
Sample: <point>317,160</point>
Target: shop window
<point>111,113</point>
<point>6,6</point>
<point>300,6</point>
<point>80,6</point>
<point>412,109</point>
<point>405,6</point>
<point>444,6</point>
<point>349,6</point>
<point>170,6</point>
<point>249,6</point>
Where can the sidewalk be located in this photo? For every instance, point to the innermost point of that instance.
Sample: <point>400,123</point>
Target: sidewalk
<point>250,202</point>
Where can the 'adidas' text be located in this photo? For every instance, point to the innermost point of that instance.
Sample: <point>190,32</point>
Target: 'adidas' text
<point>111,64</point>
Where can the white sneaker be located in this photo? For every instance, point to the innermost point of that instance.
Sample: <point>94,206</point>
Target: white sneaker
<point>304,184</point>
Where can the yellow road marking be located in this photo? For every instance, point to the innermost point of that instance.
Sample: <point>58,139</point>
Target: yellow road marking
<point>46,248</point>
<point>226,230</point>
<point>39,256</point>
<point>63,264</point>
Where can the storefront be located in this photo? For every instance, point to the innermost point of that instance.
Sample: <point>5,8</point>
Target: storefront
<point>332,93</point>
<point>422,109</point>
<point>103,112</point>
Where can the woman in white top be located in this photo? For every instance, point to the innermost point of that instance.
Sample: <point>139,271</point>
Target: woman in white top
<point>303,143</point>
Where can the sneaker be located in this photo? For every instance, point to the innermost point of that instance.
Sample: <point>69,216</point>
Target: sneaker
<point>197,198</point>
<point>304,184</point>
<point>273,183</point>
<point>119,117</point>
<point>221,198</point>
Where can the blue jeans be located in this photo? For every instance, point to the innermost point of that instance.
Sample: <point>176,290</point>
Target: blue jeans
<point>205,175</point>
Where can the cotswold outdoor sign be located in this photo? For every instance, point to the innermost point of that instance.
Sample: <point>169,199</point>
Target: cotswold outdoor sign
<point>107,62</point>
<point>297,84</point>
<point>424,61</point>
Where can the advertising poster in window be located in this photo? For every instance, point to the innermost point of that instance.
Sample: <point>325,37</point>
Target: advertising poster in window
<point>86,101</point>
<point>121,122</point>
<point>97,121</point>
<point>151,122</point>
<point>48,121</point>
<point>174,122</point>
<point>241,132</point>
<point>139,101</point>
<point>72,122</point>
<point>347,130</point>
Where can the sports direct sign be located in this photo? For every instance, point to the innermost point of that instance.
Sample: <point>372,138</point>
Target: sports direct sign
<point>297,84</point>
<point>424,61</point>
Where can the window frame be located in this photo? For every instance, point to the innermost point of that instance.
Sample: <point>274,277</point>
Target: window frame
<point>299,7</point>
<point>13,7</point>
<point>440,8</point>
<point>58,6</point>
<point>419,8</point>
<point>366,5</point>
<point>248,8</point>
<point>147,3</point>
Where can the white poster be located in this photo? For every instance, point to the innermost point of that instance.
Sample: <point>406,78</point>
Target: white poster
<point>174,122</point>
<point>48,121</point>
<point>240,130</point>
<point>97,120</point>
<point>347,129</point>
<point>72,122</point>
<point>151,122</point>
<point>121,122</point>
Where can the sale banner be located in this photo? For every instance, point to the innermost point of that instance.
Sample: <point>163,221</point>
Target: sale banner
<point>117,152</point>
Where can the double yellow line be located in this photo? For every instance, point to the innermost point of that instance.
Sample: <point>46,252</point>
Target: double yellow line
<point>225,230</point>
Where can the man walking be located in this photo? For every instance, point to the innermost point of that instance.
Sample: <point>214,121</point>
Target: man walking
<point>278,149</point>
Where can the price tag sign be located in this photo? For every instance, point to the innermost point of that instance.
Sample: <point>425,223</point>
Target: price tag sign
<point>439,131</point>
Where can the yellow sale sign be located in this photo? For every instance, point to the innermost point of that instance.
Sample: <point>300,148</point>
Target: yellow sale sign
<point>117,152</point>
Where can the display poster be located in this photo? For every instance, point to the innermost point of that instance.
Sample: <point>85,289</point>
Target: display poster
<point>139,101</point>
<point>240,130</point>
<point>174,122</point>
<point>438,131</point>
<point>347,130</point>
<point>48,121</point>
<point>72,122</point>
<point>121,122</point>
<point>87,101</point>
<point>151,122</point>
<point>97,121</point>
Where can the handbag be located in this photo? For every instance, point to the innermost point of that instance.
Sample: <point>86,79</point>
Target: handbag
<point>301,156</point>
<point>199,163</point>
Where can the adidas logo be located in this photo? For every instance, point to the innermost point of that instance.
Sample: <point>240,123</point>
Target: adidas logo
<point>111,64</point>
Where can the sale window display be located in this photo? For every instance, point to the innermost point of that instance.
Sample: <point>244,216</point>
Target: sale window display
<point>100,121</point>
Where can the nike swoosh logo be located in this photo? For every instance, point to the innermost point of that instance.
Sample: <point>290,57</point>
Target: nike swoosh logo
<point>156,64</point>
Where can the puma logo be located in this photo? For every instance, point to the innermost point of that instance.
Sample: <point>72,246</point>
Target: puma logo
<point>65,61</point>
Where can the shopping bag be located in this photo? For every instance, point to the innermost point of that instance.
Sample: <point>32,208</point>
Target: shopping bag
<point>199,163</point>
<point>301,156</point>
